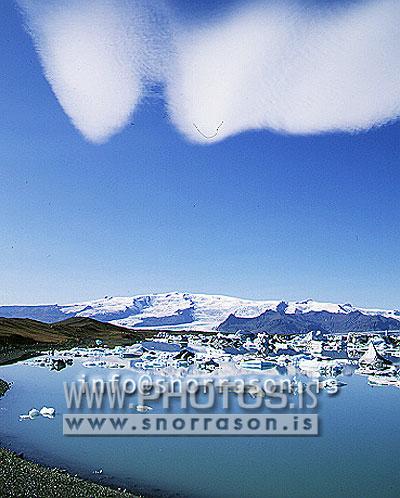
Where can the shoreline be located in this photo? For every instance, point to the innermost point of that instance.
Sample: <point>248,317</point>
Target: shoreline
<point>25,478</point>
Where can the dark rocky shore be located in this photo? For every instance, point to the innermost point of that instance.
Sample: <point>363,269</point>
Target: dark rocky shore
<point>24,479</point>
<point>4,387</point>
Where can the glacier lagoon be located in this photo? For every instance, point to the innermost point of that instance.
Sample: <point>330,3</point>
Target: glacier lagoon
<point>355,454</point>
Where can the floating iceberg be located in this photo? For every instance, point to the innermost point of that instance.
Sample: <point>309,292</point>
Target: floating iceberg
<point>331,386</point>
<point>48,412</point>
<point>371,360</point>
<point>94,364</point>
<point>258,364</point>
<point>384,381</point>
<point>143,408</point>
<point>33,413</point>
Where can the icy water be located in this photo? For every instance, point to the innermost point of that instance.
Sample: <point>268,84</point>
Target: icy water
<point>356,454</point>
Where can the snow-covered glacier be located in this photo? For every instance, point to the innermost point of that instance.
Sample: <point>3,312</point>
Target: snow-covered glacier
<point>177,310</point>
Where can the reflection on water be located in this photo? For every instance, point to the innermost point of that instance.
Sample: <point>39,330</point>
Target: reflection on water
<point>356,453</point>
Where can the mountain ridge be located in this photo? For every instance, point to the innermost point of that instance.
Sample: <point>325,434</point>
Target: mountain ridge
<point>189,311</point>
<point>323,321</point>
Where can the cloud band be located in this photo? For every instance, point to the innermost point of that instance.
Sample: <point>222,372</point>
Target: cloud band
<point>279,66</point>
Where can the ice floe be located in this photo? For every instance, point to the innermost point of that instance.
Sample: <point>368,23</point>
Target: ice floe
<point>315,355</point>
<point>33,413</point>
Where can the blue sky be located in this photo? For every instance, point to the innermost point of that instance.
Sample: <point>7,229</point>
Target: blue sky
<point>258,215</point>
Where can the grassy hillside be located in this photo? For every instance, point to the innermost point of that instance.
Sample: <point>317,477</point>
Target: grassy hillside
<point>25,331</point>
<point>21,337</point>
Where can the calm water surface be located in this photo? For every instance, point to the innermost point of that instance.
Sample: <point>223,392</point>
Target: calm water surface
<point>356,455</point>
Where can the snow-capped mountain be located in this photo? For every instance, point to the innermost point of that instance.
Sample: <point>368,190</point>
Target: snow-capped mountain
<point>179,311</point>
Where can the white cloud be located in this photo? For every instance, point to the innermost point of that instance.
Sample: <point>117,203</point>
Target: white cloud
<point>96,56</point>
<point>289,69</point>
<point>278,66</point>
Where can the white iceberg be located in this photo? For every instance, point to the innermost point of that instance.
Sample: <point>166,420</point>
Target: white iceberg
<point>383,381</point>
<point>372,360</point>
<point>47,412</point>
<point>143,408</point>
<point>33,413</point>
<point>331,386</point>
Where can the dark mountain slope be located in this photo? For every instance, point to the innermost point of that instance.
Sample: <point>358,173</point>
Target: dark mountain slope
<point>275,322</point>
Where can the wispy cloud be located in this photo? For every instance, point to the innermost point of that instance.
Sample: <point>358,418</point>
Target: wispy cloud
<point>278,66</point>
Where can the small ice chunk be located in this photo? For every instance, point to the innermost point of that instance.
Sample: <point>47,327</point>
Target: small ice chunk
<point>143,408</point>
<point>33,413</point>
<point>47,412</point>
